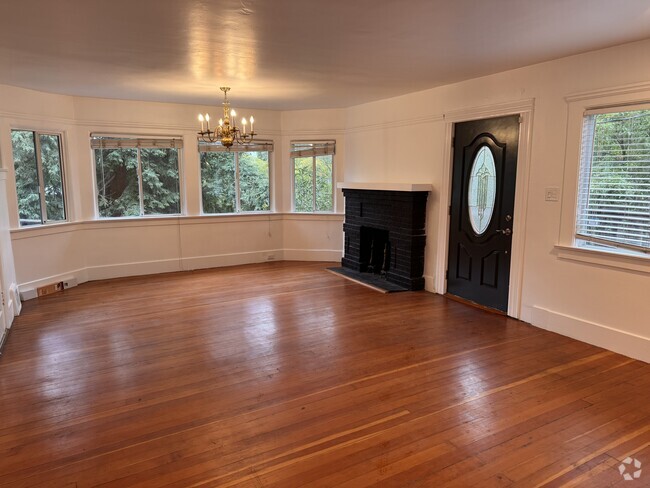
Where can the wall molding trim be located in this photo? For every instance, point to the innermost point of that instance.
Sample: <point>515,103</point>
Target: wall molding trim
<point>609,92</point>
<point>493,110</point>
<point>425,119</point>
<point>98,125</point>
<point>176,220</point>
<point>610,338</point>
<point>37,118</point>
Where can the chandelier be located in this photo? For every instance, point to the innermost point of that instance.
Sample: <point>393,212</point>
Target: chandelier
<point>227,132</point>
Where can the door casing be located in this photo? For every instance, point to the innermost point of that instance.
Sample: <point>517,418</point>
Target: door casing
<point>525,110</point>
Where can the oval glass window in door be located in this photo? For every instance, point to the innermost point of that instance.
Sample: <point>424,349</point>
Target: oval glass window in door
<point>482,190</point>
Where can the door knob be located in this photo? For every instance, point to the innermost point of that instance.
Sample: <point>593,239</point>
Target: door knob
<point>505,232</point>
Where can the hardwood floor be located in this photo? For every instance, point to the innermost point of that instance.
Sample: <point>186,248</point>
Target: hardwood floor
<point>284,375</point>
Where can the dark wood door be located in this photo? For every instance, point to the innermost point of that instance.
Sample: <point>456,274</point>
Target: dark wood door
<point>482,209</point>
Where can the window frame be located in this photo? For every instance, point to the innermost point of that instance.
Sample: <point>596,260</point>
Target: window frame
<point>258,146</point>
<point>329,143</point>
<point>39,169</point>
<point>569,247</point>
<point>586,163</point>
<point>177,139</point>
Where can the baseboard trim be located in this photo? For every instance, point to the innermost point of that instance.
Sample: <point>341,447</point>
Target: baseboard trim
<point>27,290</point>
<point>234,259</point>
<point>92,273</point>
<point>330,255</point>
<point>622,342</point>
<point>430,284</point>
<point>110,271</point>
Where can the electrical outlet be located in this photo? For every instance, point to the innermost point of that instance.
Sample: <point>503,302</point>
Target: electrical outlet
<point>270,257</point>
<point>69,283</point>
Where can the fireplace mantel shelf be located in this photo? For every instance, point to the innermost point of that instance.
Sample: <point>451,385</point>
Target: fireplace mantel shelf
<point>385,186</point>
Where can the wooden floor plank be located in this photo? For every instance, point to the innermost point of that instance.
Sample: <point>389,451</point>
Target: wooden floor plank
<point>283,375</point>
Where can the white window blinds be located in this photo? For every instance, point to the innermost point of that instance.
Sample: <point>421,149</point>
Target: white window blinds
<point>614,180</point>
<point>113,142</point>
<point>253,147</point>
<point>302,149</point>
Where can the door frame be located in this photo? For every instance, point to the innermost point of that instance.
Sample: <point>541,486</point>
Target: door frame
<point>524,109</point>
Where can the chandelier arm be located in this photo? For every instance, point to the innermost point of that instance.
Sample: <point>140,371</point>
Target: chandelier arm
<point>227,132</point>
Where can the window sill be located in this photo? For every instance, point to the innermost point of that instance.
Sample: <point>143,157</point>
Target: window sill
<point>604,257</point>
<point>313,215</point>
<point>165,220</point>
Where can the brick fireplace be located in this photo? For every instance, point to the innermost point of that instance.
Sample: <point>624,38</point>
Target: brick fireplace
<point>385,232</point>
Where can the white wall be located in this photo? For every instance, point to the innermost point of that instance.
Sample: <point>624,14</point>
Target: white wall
<point>403,139</point>
<point>88,249</point>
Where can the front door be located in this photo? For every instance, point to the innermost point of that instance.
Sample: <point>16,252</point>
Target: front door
<point>482,209</point>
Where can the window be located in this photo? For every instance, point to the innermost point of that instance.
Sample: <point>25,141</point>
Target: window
<point>614,181</point>
<point>235,180</point>
<point>313,176</point>
<point>38,165</point>
<point>137,176</point>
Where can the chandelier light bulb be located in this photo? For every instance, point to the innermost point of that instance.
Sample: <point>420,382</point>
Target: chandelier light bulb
<point>201,119</point>
<point>233,114</point>
<point>220,122</point>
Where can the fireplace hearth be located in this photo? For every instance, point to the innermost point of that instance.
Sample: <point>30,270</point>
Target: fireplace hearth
<point>385,233</point>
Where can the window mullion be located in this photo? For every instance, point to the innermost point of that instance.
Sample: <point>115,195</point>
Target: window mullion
<point>293,184</point>
<point>313,182</point>
<point>237,187</point>
<point>41,181</point>
<point>333,185</point>
<point>140,185</point>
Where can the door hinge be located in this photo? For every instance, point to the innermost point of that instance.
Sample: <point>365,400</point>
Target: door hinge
<point>453,141</point>
<point>3,297</point>
<point>449,210</point>
<point>447,274</point>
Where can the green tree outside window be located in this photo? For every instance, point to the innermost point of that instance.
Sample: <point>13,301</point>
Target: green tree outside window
<point>235,181</point>
<point>38,169</point>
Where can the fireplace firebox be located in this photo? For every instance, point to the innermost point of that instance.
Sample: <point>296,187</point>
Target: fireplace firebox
<point>374,252</point>
<point>385,234</point>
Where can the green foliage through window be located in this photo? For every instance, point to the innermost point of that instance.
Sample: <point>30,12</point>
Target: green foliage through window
<point>235,181</point>
<point>313,176</point>
<point>38,169</point>
<point>614,187</point>
<point>137,181</point>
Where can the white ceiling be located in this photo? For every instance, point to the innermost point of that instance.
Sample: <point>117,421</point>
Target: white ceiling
<point>293,54</point>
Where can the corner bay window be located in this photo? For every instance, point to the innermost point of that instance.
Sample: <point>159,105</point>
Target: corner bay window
<point>137,176</point>
<point>313,175</point>
<point>235,180</point>
<point>38,166</point>
<point>614,181</point>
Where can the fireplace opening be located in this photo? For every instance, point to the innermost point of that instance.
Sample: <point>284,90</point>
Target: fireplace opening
<point>374,251</point>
